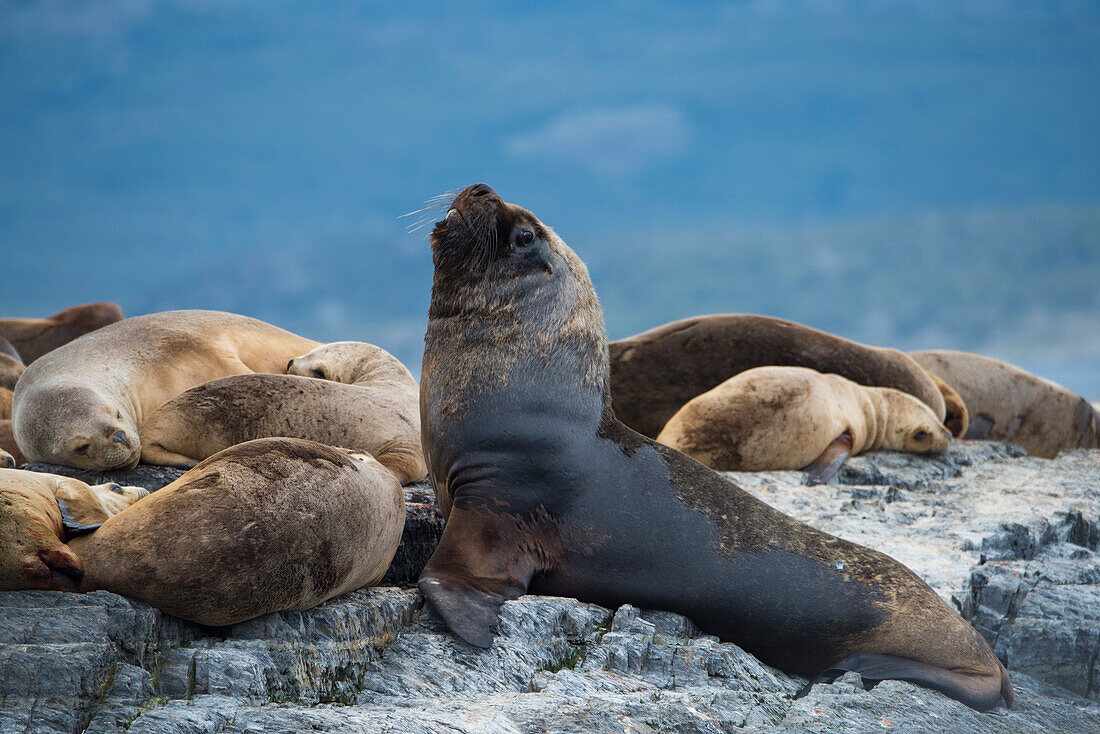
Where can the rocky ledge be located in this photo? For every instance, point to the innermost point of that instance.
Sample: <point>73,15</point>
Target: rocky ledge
<point>1011,540</point>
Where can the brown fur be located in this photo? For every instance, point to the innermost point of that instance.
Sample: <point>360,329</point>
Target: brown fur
<point>264,526</point>
<point>35,337</point>
<point>81,404</point>
<point>785,418</point>
<point>956,414</point>
<point>5,403</point>
<point>8,444</point>
<point>1008,404</point>
<point>33,553</point>
<point>10,370</point>
<point>381,417</point>
<point>525,451</point>
<point>655,373</point>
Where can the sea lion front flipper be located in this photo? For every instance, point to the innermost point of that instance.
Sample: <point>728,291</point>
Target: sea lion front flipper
<point>828,464</point>
<point>978,691</point>
<point>78,519</point>
<point>474,570</point>
<point>153,453</point>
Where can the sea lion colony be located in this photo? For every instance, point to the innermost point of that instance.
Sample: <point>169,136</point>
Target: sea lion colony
<point>517,422</point>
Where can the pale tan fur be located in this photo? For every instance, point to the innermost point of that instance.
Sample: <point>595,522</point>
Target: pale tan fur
<point>785,417</point>
<point>87,391</point>
<point>32,537</point>
<point>264,526</point>
<point>1007,403</point>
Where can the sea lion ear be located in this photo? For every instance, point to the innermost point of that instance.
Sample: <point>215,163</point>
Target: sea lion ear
<point>828,464</point>
<point>80,518</point>
<point>465,581</point>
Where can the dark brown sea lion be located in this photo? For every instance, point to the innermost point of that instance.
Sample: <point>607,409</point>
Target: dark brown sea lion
<point>34,337</point>
<point>956,414</point>
<point>653,374</point>
<point>546,492</point>
<point>1007,403</point>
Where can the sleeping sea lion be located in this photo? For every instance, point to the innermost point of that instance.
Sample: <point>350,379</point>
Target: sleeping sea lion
<point>377,411</point>
<point>38,514</point>
<point>264,526</point>
<point>1008,404</point>
<point>546,492</point>
<point>794,418</point>
<point>81,404</point>
<point>653,374</point>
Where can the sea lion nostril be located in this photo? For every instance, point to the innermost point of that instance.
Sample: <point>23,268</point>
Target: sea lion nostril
<point>480,190</point>
<point>120,437</point>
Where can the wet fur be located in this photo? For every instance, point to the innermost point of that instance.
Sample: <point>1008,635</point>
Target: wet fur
<point>547,492</point>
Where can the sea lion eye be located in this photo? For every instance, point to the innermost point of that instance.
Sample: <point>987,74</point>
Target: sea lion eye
<point>116,488</point>
<point>920,435</point>
<point>119,415</point>
<point>319,374</point>
<point>526,236</point>
<point>82,448</point>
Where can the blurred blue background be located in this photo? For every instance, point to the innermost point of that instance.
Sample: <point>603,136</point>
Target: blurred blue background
<point>905,174</point>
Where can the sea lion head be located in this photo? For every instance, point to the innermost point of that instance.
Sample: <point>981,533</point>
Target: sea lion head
<point>911,426</point>
<point>346,362</point>
<point>33,554</point>
<point>7,461</point>
<point>77,426</point>
<point>519,287</point>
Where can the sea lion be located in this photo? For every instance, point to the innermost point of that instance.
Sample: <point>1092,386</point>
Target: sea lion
<point>656,372</point>
<point>795,418</point>
<point>81,404</point>
<point>5,403</point>
<point>1008,404</point>
<point>377,411</point>
<point>956,414</point>
<point>7,461</point>
<point>546,492</point>
<point>11,365</point>
<point>264,526</point>
<point>8,444</point>
<point>38,513</point>
<point>35,337</point>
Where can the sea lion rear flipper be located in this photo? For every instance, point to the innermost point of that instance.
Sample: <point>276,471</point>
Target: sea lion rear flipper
<point>828,464</point>
<point>979,692</point>
<point>466,580</point>
<point>78,522</point>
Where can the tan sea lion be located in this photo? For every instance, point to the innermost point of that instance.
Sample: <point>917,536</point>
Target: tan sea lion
<point>795,418</point>
<point>11,365</point>
<point>8,444</point>
<point>35,337</point>
<point>656,372</point>
<point>377,411</point>
<point>546,492</point>
<point>956,414</point>
<point>81,404</point>
<point>5,403</point>
<point>38,513</point>
<point>1008,404</point>
<point>7,461</point>
<point>264,526</point>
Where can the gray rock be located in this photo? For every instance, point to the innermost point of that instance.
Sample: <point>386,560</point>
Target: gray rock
<point>150,477</point>
<point>1012,538</point>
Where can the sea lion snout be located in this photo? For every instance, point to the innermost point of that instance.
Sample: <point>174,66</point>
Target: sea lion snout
<point>119,436</point>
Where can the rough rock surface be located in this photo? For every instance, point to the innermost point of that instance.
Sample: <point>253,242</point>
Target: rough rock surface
<point>1009,538</point>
